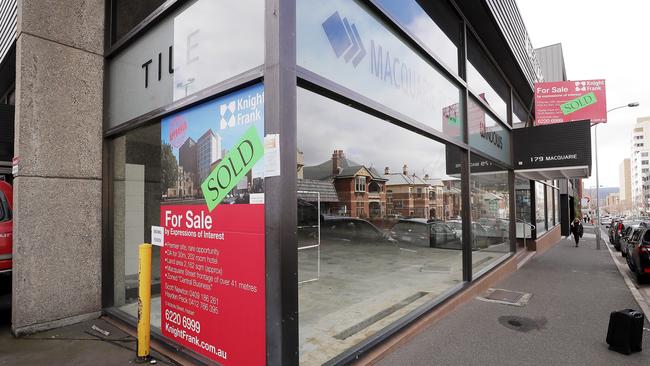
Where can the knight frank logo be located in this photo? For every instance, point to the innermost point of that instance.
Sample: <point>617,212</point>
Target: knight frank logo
<point>227,115</point>
<point>581,86</point>
<point>344,39</point>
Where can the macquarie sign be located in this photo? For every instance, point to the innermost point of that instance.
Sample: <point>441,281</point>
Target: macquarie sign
<point>566,101</point>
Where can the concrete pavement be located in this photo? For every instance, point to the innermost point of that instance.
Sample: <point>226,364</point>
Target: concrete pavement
<point>564,323</point>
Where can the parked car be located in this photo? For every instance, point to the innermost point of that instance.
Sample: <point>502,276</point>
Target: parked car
<point>638,249</point>
<point>426,233</point>
<point>6,226</point>
<point>605,220</point>
<point>354,230</point>
<point>615,232</point>
<point>628,230</point>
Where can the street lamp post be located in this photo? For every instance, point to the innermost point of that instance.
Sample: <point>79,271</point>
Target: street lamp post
<point>630,105</point>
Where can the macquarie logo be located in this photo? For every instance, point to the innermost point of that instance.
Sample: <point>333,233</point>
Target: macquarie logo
<point>344,39</point>
<point>241,111</point>
<point>391,66</point>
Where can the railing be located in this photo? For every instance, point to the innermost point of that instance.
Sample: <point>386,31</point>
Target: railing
<point>526,223</point>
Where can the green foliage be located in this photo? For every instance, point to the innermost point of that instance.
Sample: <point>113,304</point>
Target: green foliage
<point>169,167</point>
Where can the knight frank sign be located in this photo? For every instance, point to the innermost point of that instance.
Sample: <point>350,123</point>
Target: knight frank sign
<point>566,101</point>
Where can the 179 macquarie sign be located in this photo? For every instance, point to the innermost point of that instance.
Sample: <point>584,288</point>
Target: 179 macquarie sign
<point>341,41</point>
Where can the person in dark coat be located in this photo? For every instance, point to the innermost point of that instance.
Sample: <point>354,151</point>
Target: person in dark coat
<point>577,230</point>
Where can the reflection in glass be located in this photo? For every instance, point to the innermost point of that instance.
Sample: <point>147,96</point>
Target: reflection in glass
<point>484,79</point>
<point>519,114</point>
<point>345,42</point>
<point>379,227</point>
<point>486,134</point>
<point>137,189</point>
<point>523,207</point>
<point>490,203</point>
<point>557,206</point>
<point>540,206</point>
<point>128,13</point>
<point>549,206</point>
<point>212,43</point>
<point>416,20</point>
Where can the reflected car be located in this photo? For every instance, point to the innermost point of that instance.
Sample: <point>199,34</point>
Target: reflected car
<point>6,226</point>
<point>350,229</point>
<point>426,233</point>
<point>480,238</point>
<point>638,253</point>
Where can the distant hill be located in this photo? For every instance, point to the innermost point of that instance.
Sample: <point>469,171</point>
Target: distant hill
<point>602,192</point>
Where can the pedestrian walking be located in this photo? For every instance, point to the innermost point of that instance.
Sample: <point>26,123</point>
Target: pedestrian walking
<point>577,230</point>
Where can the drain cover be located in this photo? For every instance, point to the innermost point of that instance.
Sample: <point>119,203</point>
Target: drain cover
<point>506,297</point>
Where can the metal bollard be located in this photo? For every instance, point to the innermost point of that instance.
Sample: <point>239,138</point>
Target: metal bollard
<point>144,303</point>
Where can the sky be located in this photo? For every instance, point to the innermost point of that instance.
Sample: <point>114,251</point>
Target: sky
<point>601,40</point>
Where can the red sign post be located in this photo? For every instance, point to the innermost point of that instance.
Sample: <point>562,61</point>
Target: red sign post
<point>566,101</point>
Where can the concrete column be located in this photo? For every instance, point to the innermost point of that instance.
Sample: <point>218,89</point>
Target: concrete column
<point>58,139</point>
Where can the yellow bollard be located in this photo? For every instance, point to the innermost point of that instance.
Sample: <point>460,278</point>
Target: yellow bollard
<point>144,303</point>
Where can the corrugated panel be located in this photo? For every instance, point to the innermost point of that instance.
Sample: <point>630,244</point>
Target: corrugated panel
<point>8,26</point>
<point>551,59</point>
<point>506,13</point>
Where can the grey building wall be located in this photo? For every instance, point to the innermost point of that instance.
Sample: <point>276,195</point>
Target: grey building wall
<point>551,60</point>
<point>58,188</point>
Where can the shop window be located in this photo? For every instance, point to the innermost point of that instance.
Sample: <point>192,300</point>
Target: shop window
<point>346,42</point>
<point>540,209</point>
<point>549,206</point>
<point>490,210</point>
<point>433,23</point>
<point>354,264</point>
<point>486,134</point>
<point>523,207</point>
<point>484,79</point>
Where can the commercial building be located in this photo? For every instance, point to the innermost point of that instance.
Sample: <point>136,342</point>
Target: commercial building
<point>254,135</point>
<point>640,164</point>
<point>625,184</point>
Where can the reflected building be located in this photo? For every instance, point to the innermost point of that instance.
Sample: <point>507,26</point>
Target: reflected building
<point>208,150</point>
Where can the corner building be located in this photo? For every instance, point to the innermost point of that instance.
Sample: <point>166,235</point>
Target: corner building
<point>256,134</point>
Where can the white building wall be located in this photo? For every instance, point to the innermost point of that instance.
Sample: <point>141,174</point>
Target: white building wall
<point>640,162</point>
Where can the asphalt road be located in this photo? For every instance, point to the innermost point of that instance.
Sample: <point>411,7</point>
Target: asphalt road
<point>573,292</point>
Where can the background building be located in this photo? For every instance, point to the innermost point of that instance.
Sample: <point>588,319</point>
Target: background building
<point>625,184</point>
<point>640,163</point>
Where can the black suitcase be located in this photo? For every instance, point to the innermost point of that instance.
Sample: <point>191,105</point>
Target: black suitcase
<point>625,331</point>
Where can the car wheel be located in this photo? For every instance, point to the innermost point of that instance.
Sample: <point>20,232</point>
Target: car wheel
<point>623,253</point>
<point>640,278</point>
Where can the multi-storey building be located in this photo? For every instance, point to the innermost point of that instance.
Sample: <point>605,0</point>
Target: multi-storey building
<point>208,150</point>
<point>625,184</point>
<point>640,163</point>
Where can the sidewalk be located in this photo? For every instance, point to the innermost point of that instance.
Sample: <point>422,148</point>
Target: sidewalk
<point>77,344</point>
<point>564,323</point>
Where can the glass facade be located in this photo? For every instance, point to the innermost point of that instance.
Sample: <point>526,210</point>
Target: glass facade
<point>388,214</point>
<point>490,211</point>
<point>547,206</point>
<point>385,183</point>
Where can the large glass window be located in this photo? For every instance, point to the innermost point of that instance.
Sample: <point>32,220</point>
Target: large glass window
<point>523,207</point>
<point>200,44</point>
<point>126,14</point>
<point>434,23</point>
<point>486,134</point>
<point>520,116</point>
<point>540,209</point>
<point>137,189</point>
<point>557,206</point>
<point>345,42</point>
<point>484,79</point>
<point>490,202</point>
<point>383,251</point>
<point>549,206</point>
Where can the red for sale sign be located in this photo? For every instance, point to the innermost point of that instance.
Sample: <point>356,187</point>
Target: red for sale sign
<point>212,264</point>
<point>566,101</point>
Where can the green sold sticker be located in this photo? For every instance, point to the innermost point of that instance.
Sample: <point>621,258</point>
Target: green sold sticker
<point>232,168</point>
<point>578,103</point>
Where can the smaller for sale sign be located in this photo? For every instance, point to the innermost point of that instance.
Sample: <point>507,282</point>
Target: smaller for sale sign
<point>566,101</point>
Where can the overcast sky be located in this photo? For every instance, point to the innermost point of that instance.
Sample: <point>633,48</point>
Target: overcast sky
<point>601,40</point>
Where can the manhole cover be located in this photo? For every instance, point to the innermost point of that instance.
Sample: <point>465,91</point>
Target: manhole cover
<point>507,297</point>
